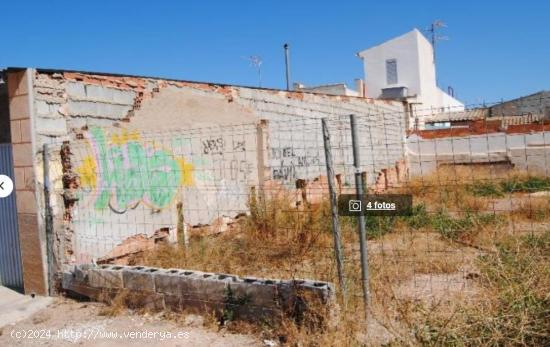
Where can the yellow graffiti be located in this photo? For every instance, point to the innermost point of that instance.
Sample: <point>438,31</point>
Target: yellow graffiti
<point>88,172</point>
<point>124,137</point>
<point>186,178</point>
<point>115,171</point>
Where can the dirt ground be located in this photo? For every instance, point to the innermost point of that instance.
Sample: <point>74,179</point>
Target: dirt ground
<point>68,323</point>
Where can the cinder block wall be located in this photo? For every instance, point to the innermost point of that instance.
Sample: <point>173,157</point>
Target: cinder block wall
<point>526,151</point>
<point>535,104</point>
<point>254,127</point>
<point>249,298</point>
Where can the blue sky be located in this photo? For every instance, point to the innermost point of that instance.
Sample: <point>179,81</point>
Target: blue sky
<point>497,49</point>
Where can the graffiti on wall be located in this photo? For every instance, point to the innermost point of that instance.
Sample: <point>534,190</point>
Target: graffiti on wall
<point>213,146</point>
<point>288,162</point>
<point>125,171</point>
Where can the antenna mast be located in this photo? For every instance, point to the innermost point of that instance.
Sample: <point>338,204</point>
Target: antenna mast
<point>256,62</point>
<point>433,29</point>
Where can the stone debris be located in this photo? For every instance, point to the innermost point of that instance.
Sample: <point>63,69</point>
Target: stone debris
<point>121,254</point>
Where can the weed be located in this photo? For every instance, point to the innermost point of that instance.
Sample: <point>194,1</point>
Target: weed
<point>281,240</point>
<point>514,306</point>
<point>455,228</point>
<point>231,304</point>
<point>486,189</point>
<point>528,184</point>
<point>377,226</point>
<point>419,217</point>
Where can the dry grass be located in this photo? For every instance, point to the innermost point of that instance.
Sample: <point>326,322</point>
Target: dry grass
<point>116,304</point>
<point>535,209</point>
<point>514,304</point>
<point>281,241</point>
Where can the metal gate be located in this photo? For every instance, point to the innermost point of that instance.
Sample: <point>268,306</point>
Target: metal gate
<point>11,271</point>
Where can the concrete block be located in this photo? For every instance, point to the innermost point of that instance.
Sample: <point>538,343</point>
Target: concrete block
<point>110,95</point>
<point>81,272</point>
<point>323,291</point>
<point>139,278</point>
<point>51,126</point>
<point>257,292</point>
<point>203,291</point>
<point>168,281</point>
<point>67,279</point>
<point>98,109</point>
<point>76,123</point>
<point>124,97</point>
<point>19,107</point>
<point>205,285</point>
<point>94,92</point>
<point>81,289</point>
<point>174,289</point>
<point>46,109</point>
<point>147,300</point>
<point>106,276</point>
<point>173,302</point>
<point>296,295</point>
<point>75,90</point>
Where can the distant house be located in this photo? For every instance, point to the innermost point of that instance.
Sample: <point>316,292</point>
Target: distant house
<point>404,68</point>
<point>533,105</point>
<point>331,89</point>
<point>457,119</point>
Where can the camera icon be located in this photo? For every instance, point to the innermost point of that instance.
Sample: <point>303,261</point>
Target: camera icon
<point>354,206</point>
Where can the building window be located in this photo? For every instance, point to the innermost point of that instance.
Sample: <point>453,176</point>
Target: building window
<point>391,71</point>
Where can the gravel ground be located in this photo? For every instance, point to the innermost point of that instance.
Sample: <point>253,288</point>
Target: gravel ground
<point>68,323</point>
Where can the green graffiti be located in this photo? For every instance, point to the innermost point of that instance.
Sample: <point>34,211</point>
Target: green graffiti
<point>128,173</point>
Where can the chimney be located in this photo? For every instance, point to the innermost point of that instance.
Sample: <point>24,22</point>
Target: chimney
<point>360,87</point>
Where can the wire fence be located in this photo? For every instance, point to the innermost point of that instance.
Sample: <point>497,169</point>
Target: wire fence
<point>254,200</point>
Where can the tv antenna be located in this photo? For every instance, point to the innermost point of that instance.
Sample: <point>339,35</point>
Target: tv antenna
<point>435,37</point>
<point>256,62</point>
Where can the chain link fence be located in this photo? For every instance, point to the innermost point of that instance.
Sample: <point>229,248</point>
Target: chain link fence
<point>255,200</point>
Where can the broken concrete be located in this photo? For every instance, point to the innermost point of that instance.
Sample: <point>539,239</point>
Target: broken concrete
<point>135,244</point>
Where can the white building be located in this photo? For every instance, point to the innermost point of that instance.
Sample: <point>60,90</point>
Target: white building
<point>332,89</point>
<point>404,67</point>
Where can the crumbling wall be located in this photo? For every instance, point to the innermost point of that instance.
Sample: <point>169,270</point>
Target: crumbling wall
<point>140,147</point>
<point>296,149</point>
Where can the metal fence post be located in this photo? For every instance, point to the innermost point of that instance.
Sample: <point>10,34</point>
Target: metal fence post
<point>359,191</point>
<point>334,210</point>
<point>48,220</point>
